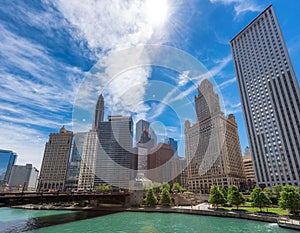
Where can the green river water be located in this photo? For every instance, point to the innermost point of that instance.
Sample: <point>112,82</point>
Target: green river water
<point>46,221</point>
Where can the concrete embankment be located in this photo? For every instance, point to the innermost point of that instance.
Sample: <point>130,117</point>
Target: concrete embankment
<point>217,213</point>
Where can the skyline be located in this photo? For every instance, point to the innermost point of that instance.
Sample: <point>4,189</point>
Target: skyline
<point>48,48</point>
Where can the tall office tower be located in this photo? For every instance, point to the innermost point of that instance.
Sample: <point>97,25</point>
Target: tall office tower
<point>173,144</point>
<point>140,126</point>
<point>24,177</point>
<point>7,161</point>
<point>99,112</point>
<point>115,160</point>
<point>212,145</point>
<point>55,161</point>
<point>270,99</point>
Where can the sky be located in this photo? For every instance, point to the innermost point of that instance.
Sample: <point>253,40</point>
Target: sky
<point>57,56</point>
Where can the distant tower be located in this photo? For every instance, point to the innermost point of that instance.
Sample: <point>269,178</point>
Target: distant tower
<point>99,113</point>
<point>173,143</point>
<point>7,161</point>
<point>139,129</point>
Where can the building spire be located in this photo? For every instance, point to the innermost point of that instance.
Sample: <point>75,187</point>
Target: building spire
<point>99,112</point>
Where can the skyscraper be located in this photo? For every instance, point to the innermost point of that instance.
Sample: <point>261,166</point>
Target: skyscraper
<point>115,160</point>
<point>75,161</point>
<point>270,99</point>
<point>140,126</point>
<point>89,148</point>
<point>55,161</point>
<point>249,169</point>
<point>159,157</point>
<point>99,112</point>
<point>7,161</point>
<point>212,145</point>
<point>24,176</point>
<point>173,144</point>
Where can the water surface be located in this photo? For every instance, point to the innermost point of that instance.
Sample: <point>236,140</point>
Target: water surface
<point>45,221</point>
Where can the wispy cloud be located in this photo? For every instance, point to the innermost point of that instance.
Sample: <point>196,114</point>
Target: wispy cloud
<point>183,78</point>
<point>241,6</point>
<point>227,83</point>
<point>107,28</point>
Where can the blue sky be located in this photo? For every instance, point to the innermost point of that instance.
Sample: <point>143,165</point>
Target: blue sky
<point>47,49</point>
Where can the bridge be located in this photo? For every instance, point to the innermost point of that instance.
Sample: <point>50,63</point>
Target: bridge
<point>10,199</point>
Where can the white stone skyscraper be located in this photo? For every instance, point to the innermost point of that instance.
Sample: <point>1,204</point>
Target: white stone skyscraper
<point>213,150</point>
<point>99,112</point>
<point>270,99</point>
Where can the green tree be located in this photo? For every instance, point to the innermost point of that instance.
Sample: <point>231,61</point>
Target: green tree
<point>103,188</point>
<point>151,198</point>
<point>225,194</point>
<point>276,189</point>
<point>165,197</point>
<point>164,186</point>
<point>289,199</point>
<point>176,187</point>
<point>268,191</point>
<point>260,198</point>
<point>216,196</point>
<point>235,197</point>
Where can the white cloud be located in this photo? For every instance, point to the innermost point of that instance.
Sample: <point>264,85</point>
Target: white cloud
<point>27,142</point>
<point>227,83</point>
<point>232,107</point>
<point>241,6</point>
<point>108,25</point>
<point>183,78</point>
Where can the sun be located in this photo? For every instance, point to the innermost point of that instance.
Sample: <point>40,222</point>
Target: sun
<point>157,11</point>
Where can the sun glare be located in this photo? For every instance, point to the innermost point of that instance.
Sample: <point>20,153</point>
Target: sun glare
<point>157,11</point>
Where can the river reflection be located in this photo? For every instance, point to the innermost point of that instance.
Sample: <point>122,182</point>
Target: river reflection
<point>22,225</point>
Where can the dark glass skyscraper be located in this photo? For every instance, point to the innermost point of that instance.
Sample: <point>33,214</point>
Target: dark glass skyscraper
<point>173,144</point>
<point>270,99</point>
<point>7,161</point>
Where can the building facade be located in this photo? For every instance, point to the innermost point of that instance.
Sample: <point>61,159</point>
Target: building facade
<point>173,143</point>
<point>248,169</point>
<point>7,161</point>
<point>23,178</point>
<point>99,113</point>
<point>212,145</point>
<point>75,162</point>
<point>55,161</point>
<point>159,163</point>
<point>270,98</point>
<point>115,160</point>
<point>142,125</point>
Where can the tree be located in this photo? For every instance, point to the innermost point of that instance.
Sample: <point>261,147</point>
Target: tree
<point>268,191</point>
<point>151,198</point>
<point>165,197</point>
<point>260,198</point>
<point>103,188</point>
<point>225,194</point>
<point>276,189</point>
<point>216,196</point>
<point>176,187</point>
<point>235,197</point>
<point>289,199</point>
<point>164,186</point>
